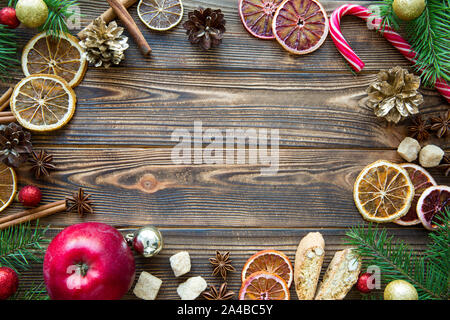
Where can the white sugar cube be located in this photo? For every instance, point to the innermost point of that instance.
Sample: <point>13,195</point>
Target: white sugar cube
<point>191,288</point>
<point>408,149</point>
<point>180,263</point>
<point>430,156</point>
<point>147,287</point>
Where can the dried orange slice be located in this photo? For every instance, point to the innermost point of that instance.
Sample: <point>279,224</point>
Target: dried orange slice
<point>383,192</point>
<point>43,102</point>
<point>62,56</point>
<point>421,180</point>
<point>257,16</point>
<point>8,186</point>
<point>432,205</point>
<point>300,26</point>
<point>263,285</point>
<point>272,261</point>
<point>160,15</point>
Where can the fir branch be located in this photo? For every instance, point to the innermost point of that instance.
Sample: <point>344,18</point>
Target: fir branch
<point>428,273</point>
<point>8,52</point>
<point>58,13</point>
<point>385,12</point>
<point>428,36</point>
<point>21,245</point>
<point>36,292</point>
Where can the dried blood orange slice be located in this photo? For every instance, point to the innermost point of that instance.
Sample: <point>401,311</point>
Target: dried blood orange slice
<point>8,186</point>
<point>383,192</point>
<point>300,26</point>
<point>257,16</point>
<point>431,204</point>
<point>263,285</point>
<point>43,102</point>
<point>160,15</point>
<point>62,56</point>
<point>272,261</point>
<point>421,180</point>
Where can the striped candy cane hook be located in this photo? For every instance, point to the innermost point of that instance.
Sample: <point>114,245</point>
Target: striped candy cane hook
<point>393,37</point>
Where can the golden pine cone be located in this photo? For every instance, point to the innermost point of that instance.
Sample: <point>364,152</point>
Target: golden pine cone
<point>394,94</point>
<point>104,44</point>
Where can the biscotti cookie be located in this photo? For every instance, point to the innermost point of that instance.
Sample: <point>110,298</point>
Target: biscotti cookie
<point>341,275</point>
<point>308,262</point>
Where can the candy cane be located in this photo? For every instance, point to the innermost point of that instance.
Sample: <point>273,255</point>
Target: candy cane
<point>393,37</point>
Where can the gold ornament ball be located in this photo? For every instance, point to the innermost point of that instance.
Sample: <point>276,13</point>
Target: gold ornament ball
<point>400,290</point>
<point>32,13</point>
<point>408,9</point>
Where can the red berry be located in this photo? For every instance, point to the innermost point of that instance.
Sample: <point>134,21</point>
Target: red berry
<point>30,196</point>
<point>9,282</point>
<point>8,17</point>
<point>365,283</point>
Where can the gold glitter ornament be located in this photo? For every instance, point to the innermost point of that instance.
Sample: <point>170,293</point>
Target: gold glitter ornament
<point>400,290</point>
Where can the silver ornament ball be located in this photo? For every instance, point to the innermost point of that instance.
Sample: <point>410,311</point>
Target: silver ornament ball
<point>147,241</point>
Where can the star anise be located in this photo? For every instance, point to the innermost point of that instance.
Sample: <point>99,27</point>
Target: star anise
<point>41,163</point>
<point>420,129</point>
<point>441,124</point>
<point>221,294</point>
<point>222,264</point>
<point>81,202</point>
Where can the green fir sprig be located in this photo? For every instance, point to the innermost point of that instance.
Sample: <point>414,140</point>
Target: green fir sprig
<point>59,11</point>
<point>428,35</point>
<point>428,272</point>
<point>22,245</point>
<point>34,292</point>
<point>8,52</point>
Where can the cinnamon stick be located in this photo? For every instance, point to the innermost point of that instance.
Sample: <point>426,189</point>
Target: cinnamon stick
<point>107,16</point>
<point>7,117</point>
<point>6,95</point>
<point>4,99</point>
<point>129,23</point>
<point>30,211</point>
<point>33,214</point>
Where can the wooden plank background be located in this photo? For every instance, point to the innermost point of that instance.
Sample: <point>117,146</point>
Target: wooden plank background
<point>118,144</point>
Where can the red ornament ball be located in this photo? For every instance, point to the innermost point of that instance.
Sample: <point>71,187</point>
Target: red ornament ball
<point>30,196</point>
<point>365,283</point>
<point>9,282</point>
<point>8,17</point>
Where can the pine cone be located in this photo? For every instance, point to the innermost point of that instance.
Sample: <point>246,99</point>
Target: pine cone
<point>15,145</point>
<point>394,95</point>
<point>205,27</point>
<point>104,44</point>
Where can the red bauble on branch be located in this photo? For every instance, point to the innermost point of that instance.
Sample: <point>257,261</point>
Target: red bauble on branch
<point>8,17</point>
<point>9,282</point>
<point>365,283</point>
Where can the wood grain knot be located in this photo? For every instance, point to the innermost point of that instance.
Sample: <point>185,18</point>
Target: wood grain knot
<point>148,183</point>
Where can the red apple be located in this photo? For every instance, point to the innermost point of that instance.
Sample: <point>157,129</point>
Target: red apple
<point>88,261</point>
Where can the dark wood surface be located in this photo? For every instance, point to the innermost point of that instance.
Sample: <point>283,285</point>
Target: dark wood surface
<point>118,144</point>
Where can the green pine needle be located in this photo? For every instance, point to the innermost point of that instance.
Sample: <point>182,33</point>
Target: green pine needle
<point>428,35</point>
<point>58,13</point>
<point>8,52</point>
<point>35,292</point>
<point>21,245</point>
<point>428,272</point>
